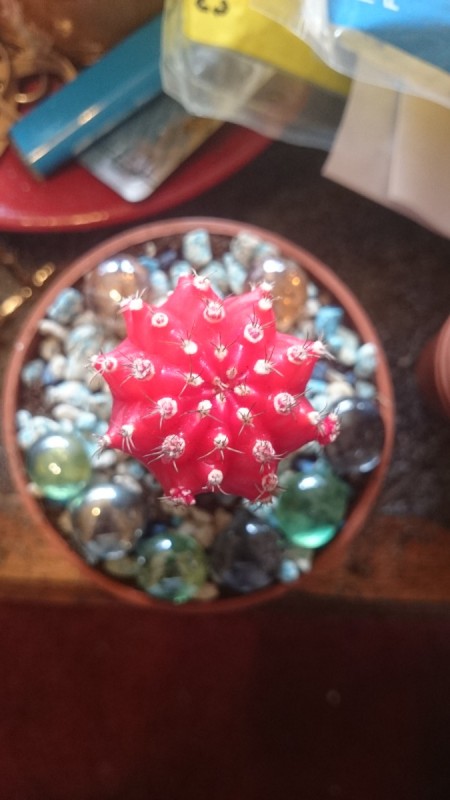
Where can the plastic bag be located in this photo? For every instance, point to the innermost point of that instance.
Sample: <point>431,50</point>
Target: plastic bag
<point>406,45</point>
<point>224,60</point>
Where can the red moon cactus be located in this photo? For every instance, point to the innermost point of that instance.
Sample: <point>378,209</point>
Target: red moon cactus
<point>208,395</point>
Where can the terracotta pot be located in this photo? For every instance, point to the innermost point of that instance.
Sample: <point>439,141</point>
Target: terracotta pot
<point>433,371</point>
<point>326,560</point>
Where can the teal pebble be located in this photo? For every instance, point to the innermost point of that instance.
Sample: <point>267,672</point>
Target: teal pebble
<point>173,567</point>
<point>312,508</point>
<point>66,306</point>
<point>197,248</point>
<point>327,320</point>
<point>289,571</point>
<point>59,465</point>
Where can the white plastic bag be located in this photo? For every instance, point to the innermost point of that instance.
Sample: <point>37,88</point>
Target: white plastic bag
<point>224,60</point>
<point>404,43</point>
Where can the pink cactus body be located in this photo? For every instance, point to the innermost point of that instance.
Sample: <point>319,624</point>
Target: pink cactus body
<point>208,395</point>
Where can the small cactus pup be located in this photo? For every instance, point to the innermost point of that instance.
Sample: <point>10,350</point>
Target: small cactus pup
<point>208,395</point>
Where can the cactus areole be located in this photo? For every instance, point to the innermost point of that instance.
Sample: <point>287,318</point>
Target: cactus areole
<point>208,395</point>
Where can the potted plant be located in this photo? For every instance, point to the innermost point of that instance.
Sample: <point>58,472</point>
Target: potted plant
<point>93,416</point>
<point>433,371</point>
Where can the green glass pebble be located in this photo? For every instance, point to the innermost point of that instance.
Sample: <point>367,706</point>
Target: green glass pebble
<point>313,505</point>
<point>173,568</point>
<point>59,465</point>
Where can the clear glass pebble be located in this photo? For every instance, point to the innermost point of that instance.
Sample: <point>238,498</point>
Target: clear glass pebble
<point>358,448</point>
<point>112,281</point>
<point>289,284</point>
<point>246,556</point>
<point>106,520</point>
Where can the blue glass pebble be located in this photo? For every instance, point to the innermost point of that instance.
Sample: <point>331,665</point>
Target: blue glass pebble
<point>100,404</point>
<point>32,372</point>
<point>304,463</point>
<point>23,417</point>
<point>366,360</point>
<point>236,273</point>
<point>344,344</point>
<point>150,263</point>
<point>86,421</point>
<point>66,306</point>
<point>34,428</point>
<point>366,390</point>
<point>197,247</point>
<point>327,320</point>
<point>74,392</point>
<point>133,468</point>
<point>289,571</point>
<point>84,341</point>
<point>263,252</point>
<point>316,386</point>
<point>155,527</point>
<point>178,269</point>
<point>217,275</point>
<point>320,371</point>
<point>54,371</point>
<point>245,247</point>
<point>166,258</point>
<point>160,284</point>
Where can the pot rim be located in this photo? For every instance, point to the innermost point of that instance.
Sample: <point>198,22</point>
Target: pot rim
<point>326,560</point>
<point>442,366</point>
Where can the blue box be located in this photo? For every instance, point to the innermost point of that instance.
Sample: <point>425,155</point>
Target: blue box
<point>98,99</point>
<point>417,27</point>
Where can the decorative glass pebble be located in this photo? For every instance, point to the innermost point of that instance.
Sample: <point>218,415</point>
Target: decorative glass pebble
<point>173,567</point>
<point>289,284</point>
<point>159,283</point>
<point>366,360</point>
<point>216,273</point>
<point>166,258</point>
<point>66,306</point>
<point>83,340</point>
<point>245,246</point>
<point>359,445</point>
<point>124,568</point>
<point>313,504</point>
<point>106,520</point>
<point>327,320</point>
<point>246,556</point>
<point>112,281</point>
<point>33,371</point>
<point>289,571</point>
<point>197,247</point>
<point>177,270</point>
<point>236,273</point>
<point>59,465</point>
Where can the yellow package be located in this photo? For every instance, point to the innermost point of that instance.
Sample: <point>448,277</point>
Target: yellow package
<point>234,25</point>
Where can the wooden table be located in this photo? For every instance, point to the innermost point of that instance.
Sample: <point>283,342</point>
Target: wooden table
<point>340,690</point>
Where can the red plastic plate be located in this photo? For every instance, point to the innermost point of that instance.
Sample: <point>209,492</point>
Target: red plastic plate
<point>73,199</point>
